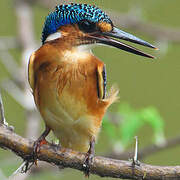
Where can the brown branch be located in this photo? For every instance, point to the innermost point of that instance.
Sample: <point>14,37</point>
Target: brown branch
<point>149,150</point>
<point>71,159</point>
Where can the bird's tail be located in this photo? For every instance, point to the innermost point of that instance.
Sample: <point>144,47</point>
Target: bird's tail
<point>112,95</point>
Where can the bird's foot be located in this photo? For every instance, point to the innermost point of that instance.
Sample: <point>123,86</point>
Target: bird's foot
<point>36,148</point>
<point>27,165</point>
<point>88,161</point>
<point>32,159</point>
<point>38,143</point>
<point>89,157</point>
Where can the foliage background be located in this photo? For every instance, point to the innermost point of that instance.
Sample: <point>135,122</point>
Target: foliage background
<point>142,82</point>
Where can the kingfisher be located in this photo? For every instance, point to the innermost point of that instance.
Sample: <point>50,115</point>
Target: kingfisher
<point>68,82</point>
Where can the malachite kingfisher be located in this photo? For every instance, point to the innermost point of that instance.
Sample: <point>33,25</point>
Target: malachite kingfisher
<point>68,82</point>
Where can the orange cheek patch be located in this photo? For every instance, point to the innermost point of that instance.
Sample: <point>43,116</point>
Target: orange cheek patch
<point>70,31</point>
<point>105,27</point>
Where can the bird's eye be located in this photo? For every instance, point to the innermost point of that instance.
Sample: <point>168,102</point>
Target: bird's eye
<point>87,26</point>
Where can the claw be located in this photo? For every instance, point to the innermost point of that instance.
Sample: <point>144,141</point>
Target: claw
<point>88,161</point>
<point>38,144</point>
<point>27,166</point>
<point>36,148</point>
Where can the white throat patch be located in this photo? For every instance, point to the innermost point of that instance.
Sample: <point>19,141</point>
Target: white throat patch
<point>53,36</point>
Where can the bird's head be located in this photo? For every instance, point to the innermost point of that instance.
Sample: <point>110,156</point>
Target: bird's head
<point>82,24</point>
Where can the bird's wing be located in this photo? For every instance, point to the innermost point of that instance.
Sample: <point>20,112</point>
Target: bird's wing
<point>101,82</point>
<point>31,70</point>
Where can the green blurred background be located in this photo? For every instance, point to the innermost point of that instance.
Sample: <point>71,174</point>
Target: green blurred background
<point>142,82</point>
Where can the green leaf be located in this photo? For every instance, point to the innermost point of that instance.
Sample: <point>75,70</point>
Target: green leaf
<point>132,121</point>
<point>109,128</point>
<point>151,116</point>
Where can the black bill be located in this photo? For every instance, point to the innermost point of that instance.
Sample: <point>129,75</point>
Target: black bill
<point>108,39</point>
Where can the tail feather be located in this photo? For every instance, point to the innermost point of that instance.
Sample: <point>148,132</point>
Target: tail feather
<point>112,95</point>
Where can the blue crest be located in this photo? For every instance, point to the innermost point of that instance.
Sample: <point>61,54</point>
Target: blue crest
<point>72,14</point>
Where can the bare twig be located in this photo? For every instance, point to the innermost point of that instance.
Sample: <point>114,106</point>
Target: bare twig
<point>135,159</point>
<point>101,166</point>
<point>149,150</point>
<point>2,117</point>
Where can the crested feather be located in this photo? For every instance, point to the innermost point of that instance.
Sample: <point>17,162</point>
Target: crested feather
<point>112,95</point>
<point>72,14</point>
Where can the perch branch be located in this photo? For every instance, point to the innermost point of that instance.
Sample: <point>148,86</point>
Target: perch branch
<point>71,159</point>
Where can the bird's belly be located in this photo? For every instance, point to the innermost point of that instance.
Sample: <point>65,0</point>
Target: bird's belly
<point>69,104</point>
<point>75,136</point>
<point>69,119</point>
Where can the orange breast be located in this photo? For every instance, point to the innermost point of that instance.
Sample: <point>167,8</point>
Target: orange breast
<point>65,91</point>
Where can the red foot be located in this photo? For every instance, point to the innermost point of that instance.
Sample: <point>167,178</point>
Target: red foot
<point>43,142</point>
<point>36,148</point>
